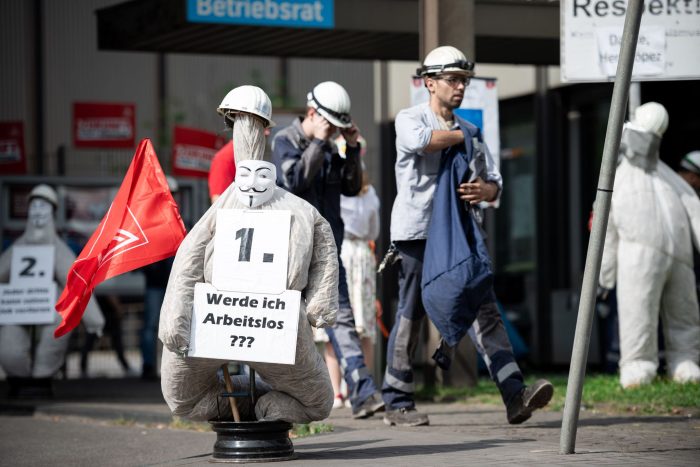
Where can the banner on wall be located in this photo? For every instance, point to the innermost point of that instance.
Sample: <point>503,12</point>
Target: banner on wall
<point>12,155</point>
<point>667,47</point>
<point>193,151</point>
<point>479,106</point>
<point>104,125</point>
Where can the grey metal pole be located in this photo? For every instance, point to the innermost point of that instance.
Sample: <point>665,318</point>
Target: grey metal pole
<point>600,221</point>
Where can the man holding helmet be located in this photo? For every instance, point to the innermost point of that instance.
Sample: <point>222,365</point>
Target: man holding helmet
<point>309,165</point>
<point>422,133</point>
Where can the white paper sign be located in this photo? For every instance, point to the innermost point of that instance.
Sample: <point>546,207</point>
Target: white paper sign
<point>32,264</point>
<point>650,56</point>
<point>24,304</point>
<point>245,327</point>
<point>667,47</point>
<point>251,248</point>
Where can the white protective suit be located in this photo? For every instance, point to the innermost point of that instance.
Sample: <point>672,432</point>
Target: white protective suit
<point>654,221</point>
<point>299,393</point>
<point>15,340</point>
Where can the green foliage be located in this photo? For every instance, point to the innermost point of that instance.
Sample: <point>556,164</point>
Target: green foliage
<point>182,424</point>
<point>302,430</point>
<point>600,393</point>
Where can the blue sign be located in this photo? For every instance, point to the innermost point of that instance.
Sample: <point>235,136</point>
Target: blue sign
<point>286,13</point>
<point>474,116</point>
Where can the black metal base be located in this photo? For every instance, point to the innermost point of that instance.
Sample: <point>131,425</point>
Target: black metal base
<point>241,442</point>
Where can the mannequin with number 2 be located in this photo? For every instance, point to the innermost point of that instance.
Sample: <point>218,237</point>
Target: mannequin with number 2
<point>15,340</point>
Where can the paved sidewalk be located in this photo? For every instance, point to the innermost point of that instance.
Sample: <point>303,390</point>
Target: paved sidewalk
<point>124,422</point>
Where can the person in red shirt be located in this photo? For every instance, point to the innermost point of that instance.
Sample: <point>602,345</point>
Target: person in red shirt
<point>222,171</point>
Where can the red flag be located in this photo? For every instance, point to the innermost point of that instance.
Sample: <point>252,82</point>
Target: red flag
<point>142,226</point>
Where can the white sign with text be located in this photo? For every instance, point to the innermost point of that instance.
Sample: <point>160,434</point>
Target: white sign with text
<point>32,264</point>
<point>242,326</point>
<point>667,47</point>
<point>30,296</point>
<point>251,248</point>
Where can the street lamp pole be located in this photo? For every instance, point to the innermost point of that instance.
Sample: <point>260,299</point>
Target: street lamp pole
<point>600,221</point>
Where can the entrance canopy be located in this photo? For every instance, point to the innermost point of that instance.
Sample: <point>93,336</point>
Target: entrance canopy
<point>507,31</point>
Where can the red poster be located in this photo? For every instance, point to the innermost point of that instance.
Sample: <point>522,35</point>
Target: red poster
<point>193,151</point>
<point>12,156</point>
<point>101,125</point>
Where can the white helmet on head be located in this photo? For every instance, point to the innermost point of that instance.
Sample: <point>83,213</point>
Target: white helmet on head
<point>691,162</point>
<point>44,192</point>
<point>250,99</point>
<point>332,101</point>
<point>445,59</point>
<point>651,117</point>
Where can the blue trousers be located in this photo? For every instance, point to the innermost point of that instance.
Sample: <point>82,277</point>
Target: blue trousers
<point>487,332</point>
<point>346,344</point>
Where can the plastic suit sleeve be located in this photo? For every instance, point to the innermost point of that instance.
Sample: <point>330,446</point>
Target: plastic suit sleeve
<point>298,168</point>
<point>689,200</point>
<point>608,266</point>
<point>352,172</point>
<point>187,270</point>
<point>412,135</point>
<point>322,289</point>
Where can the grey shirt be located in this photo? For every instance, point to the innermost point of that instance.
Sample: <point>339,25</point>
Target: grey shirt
<point>416,172</point>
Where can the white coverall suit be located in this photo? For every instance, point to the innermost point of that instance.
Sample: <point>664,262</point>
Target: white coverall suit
<point>15,340</point>
<point>654,221</point>
<point>300,393</point>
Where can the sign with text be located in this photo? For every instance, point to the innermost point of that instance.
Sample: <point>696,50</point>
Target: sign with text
<point>193,151</point>
<point>104,125</point>
<point>251,248</point>
<point>32,264</point>
<point>667,47</point>
<point>30,296</point>
<point>12,156</point>
<point>242,326</point>
<point>280,13</point>
<point>22,304</point>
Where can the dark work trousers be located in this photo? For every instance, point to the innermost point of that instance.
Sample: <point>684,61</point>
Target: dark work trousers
<point>487,332</point>
<point>346,344</point>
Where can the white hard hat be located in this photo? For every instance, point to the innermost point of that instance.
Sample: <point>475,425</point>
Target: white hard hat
<point>652,117</point>
<point>445,59</point>
<point>332,101</point>
<point>691,162</point>
<point>250,99</point>
<point>44,192</point>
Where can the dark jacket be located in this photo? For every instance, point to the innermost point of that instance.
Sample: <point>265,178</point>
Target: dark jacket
<point>314,171</point>
<point>457,277</point>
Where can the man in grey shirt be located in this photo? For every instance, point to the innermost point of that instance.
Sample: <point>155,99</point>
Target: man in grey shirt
<point>422,132</point>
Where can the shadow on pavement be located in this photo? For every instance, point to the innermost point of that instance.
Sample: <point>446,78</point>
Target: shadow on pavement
<point>338,450</point>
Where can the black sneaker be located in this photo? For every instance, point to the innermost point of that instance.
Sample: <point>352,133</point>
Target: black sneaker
<point>405,417</point>
<point>530,399</point>
<point>369,407</point>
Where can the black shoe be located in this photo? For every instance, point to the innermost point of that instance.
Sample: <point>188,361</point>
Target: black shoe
<point>530,399</point>
<point>405,417</point>
<point>369,407</point>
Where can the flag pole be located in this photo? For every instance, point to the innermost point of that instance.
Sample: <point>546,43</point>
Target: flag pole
<point>594,255</point>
